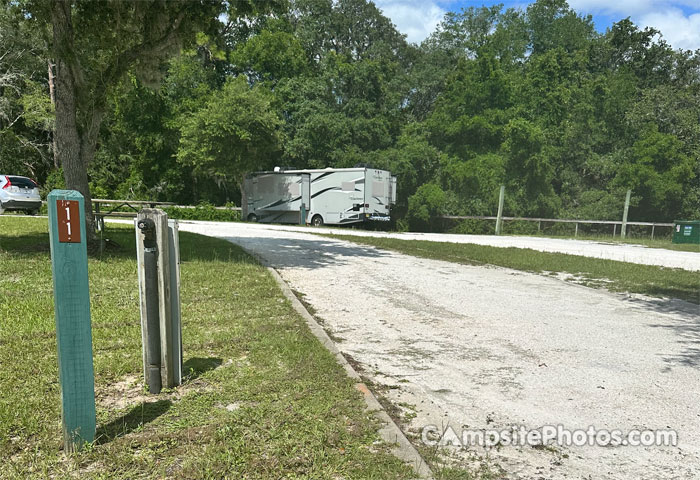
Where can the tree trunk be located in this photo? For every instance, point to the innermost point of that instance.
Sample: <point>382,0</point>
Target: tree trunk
<point>73,150</point>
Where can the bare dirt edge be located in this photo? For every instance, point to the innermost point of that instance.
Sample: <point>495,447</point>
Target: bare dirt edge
<point>390,432</point>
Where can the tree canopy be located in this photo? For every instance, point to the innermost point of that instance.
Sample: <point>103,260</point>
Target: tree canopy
<point>179,102</point>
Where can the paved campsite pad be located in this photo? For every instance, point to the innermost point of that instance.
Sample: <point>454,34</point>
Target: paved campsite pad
<point>490,348</point>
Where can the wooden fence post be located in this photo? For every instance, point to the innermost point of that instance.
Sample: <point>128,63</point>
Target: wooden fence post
<point>499,217</point>
<point>69,266</point>
<point>623,230</point>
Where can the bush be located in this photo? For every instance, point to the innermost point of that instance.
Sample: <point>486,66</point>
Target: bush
<point>204,211</point>
<point>53,181</point>
<point>474,227</point>
<point>424,208</point>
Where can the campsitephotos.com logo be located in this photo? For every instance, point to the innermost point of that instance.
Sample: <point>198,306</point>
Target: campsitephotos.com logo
<point>555,435</point>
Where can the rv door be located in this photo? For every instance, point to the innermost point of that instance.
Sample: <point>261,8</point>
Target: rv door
<point>305,197</point>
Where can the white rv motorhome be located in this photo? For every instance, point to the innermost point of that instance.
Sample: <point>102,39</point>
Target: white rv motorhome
<point>336,196</point>
<point>276,197</point>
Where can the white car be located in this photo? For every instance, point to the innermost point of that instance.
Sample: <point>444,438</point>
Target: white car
<point>19,193</point>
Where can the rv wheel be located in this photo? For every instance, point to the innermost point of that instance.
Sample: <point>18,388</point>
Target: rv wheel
<point>252,217</point>
<point>317,221</point>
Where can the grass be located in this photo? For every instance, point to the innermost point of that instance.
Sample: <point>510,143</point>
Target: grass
<point>613,275</point>
<point>261,397</point>
<point>647,242</point>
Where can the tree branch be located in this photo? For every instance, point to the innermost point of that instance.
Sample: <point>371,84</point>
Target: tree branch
<point>127,58</point>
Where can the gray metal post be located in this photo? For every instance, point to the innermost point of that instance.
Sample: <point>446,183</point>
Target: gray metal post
<point>157,244</point>
<point>176,333</point>
<point>499,217</point>
<point>576,231</point>
<point>623,231</point>
<point>152,345</point>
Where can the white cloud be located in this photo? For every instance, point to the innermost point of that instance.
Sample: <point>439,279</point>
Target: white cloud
<point>415,18</point>
<point>678,30</point>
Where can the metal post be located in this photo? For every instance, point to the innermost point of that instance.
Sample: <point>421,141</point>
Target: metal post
<point>652,231</point>
<point>150,268</point>
<point>100,219</point>
<point>576,231</point>
<point>157,243</point>
<point>614,229</point>
<point>499,217</point>
<point>623,230</point>
<point>72,310</point>
<point>176,334</point>
<point>539,226</point>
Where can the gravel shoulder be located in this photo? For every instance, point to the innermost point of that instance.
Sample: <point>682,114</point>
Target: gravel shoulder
<point>491,348</point>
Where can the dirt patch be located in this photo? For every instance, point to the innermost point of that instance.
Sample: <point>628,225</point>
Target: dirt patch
<point>130,391</point>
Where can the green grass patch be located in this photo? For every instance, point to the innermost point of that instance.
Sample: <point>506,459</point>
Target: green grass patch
<point>647,242</point>
<point>261,398</point>
<point>613,275</point>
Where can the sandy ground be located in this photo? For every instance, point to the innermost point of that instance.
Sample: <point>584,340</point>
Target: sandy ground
<point>492,348</point>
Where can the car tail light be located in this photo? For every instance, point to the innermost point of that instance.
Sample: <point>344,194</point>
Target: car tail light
<point>8,184</point>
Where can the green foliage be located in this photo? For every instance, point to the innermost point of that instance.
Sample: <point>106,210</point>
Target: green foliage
<point>237,131</point>
<point>271,56</point>
<point>204,211</point>
<point>425,206</point>
<point>53,181</point>
<point>534,99</point>
<point>658,167</point>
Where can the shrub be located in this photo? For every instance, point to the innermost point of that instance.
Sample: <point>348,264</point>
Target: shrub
<point>424,208</point>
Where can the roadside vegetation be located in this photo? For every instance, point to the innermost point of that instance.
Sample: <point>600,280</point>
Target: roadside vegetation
<point>610,274</point>
<point>261,397</point>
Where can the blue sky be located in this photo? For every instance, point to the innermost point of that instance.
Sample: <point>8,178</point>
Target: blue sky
<point>678,20</point>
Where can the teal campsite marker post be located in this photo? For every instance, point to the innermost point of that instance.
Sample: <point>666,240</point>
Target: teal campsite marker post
<point>72,306</point>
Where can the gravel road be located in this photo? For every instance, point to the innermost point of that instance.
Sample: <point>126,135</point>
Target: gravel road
<point>491,348</point>
<point>586,248</point>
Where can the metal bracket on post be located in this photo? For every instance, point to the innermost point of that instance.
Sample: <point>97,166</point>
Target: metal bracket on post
<point>157,248</point>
